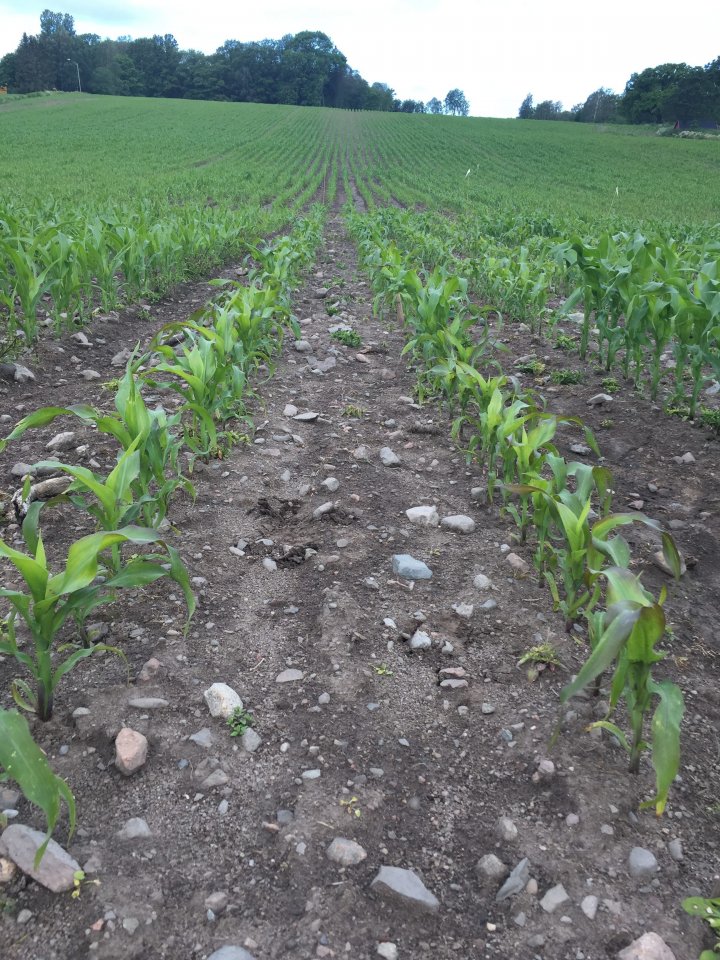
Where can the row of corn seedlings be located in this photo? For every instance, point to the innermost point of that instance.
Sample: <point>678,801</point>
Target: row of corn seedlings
<point>207,377</point>
<point>566,506</point>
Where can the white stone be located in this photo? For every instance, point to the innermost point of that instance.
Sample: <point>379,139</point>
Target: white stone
<point>420,641</point>
<point>388,458</point>
<point>481,582</point>
<point>424,516</point>
<point>554,898</point>
<point>589,906</point>
<point>458,523</point>
<point>222,700</point>
<point>347,853</point>
<point>647,947</point>
<point>289,676</point>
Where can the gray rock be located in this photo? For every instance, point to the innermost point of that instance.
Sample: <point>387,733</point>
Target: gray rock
<point>420,641</point>
<point>330,484</point>
<point>21,374</point>
<point>289,676</point>
<point>222,700</point>
<point>121,358</point>
<point>491,867</point>
<point>61,441</point>
<point>517,563</point>
<point>148,703</point>
<point>229,952</point>
<point>311,774</point>
<point>675,849</point>
<point>481,582</point>
<point>660,561</point>
<point>642,864</point>
<point>25,916</point>
<point>308,417</point>
<point>290,410</point>
<point>599,399</point>
<point>345,852</point>
<point>56,871</point>
<point>90,374</point>
<point>323,509</point>
<point>424,516</point>
<point>554,898</point>
<point>516,882</point>
<point>506,829</point>
<point>458,523</point>
<point>464,610</point>
<point>388,458</point>
<point>21,469</point>
<point>203,738</point>
<point>387,950</point>
<point>395,883</point>
<point>135,829</point>
<point>303,346</point>
<point>250,740</point>
<point>409,568</point>
<point>647,947</point>
<point>589,906</point>
<point>217,902</point>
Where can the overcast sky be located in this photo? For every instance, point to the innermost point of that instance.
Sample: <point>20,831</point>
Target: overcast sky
<point>496,51</point>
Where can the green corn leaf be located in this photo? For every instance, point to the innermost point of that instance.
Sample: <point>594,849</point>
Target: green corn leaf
<point>25,763</point>
<point>604,653</point>
<point>666,739</point>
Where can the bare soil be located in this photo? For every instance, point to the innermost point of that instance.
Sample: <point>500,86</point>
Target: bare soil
<point>415,773</point>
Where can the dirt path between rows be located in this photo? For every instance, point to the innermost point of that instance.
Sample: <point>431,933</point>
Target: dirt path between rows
<point>370,743</point>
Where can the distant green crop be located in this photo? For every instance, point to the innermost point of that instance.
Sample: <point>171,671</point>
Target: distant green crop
<point>566,376</point>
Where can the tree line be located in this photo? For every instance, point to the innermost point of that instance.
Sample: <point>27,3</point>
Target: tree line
<point>304,69</point>
<point>669,93</point>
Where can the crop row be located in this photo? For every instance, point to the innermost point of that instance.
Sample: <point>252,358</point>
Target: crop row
<point>204,367</point>
<point>564,508</point>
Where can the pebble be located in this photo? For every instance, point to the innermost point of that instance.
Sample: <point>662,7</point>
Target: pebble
<point>25,916</point>
<point>599,399</point>
<point>131,749</point>
<point>330,484</point>
<point>289,676</point>
<point>250,740</point>
<point>491,867</point>
<point>387,950</point>
<point>660,561</point>
<point>217,902</point>
<point>148,703</point>
<point>324,699</point>
<point>324,508</point>
<point>685,458</point>
<point>303,346</point>
<point>453,684</point>
<point>647,947</point>
<point>675,849</point>
<point>56,870</point>
<point>203,738</point>
<point>589,906</point>
<point>424,516</point>
<point>22,469</point>
<point>90,374</point>
<point>554,898</point>
<point>121,358</point>
<point>396,883</point>
<point>388,458</point>
<point>222,700</point>
<point>308,417</point>
<point>311,774</point>
<point>61,441</point>
<point>360,453</point>
<point>572,819</point>
<point>420,641</point>
<point>506,829</point>
<point>517,563</point>
<point>516,882</point>
<point>230,952</point>
<point>481,582</point>
<point>134,829</point>
<point>458,523</point>
<point>347,853</point>
<point>642,863</point>
<point>487,708</point>
<point>411,569</point>
<point>7,870</point>
<point>464,610</point>
<point>290,410</point>
<point>269,564</point>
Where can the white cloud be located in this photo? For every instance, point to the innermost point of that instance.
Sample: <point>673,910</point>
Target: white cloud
<point>494,50</point>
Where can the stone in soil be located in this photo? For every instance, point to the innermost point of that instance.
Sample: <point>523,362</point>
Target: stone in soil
<point>289,676</point>
<point>516,882</point>
<point>222,700</point>
<point>409,568</point>
<point>642,864</point>
<point>61,441</point>
<point>404,886</point>
<point>250,741</point>
<point>481,582</point>
<point>229,952</point>
<point>388,458</point>
<point>589,906</point>
<point>506,829</point>
<point>554,898</point>
<point>135,829</point>
<point>491,867</point>
<point>131,749</point>
<point>424,516</point>
<point>458,523</point>
<point>387,950</point>
<point>56,871</point>
<point>420,641</point>
<point>517,563</point>
<point>647,947</point>
<point>345,852</point>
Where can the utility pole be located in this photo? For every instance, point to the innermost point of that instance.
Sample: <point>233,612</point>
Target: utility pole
<point>77,67</point>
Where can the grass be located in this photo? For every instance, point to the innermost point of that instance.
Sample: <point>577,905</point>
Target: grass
<point>564,342</point>
<point>566,376</point>
<point>350,338</point>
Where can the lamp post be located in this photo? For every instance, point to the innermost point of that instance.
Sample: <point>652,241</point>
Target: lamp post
<point>77,67</point>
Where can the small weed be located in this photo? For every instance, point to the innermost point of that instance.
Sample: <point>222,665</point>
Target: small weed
<point>610,385</point>
<point>566,376</point>
<point>534,366</point>
<point>79,881</point>
<point>351,338</point>
<point>352,411</point>
<point>332,309</point>
<point>607,424</point>
<point>707,909</point>
<point>710,418</point>
<point>239,722</point>
<point>110,385</point>
<point>539,657</point>
<point>564,342</point>
<point>682,412</point>
<point>351,807</point>
<point>383,671</point>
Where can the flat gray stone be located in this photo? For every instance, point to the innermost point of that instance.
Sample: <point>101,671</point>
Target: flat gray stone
<point>388,458</point>
<point>647,947</point>
<point>424,516</point>
<point>409,568</point>
<point>491,867</point>
<point>554,898</point>
<point>308,417</point>
<point>250,740</point>
<point>347,853</point>
<point>404,886</point>
<point>229,952</point>
<point>61,441</point>
<point>420,641</point>
<point>589,906</point>
<point>148,703</point>
<point>203,738</point>
<point>135,829</point>
<point>642,864</point>
<point>458,523</point>
<point>56,871</point>
<point>481,582</point>
<point>289,676</point>
<point>516,882</point>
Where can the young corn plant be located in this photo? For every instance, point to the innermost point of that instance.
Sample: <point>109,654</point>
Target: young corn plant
<point>50,599</point>
<point>630,630</point>
<point>707,909</point>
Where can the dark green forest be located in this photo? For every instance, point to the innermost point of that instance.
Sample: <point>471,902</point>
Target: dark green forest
<point>304,69</point>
